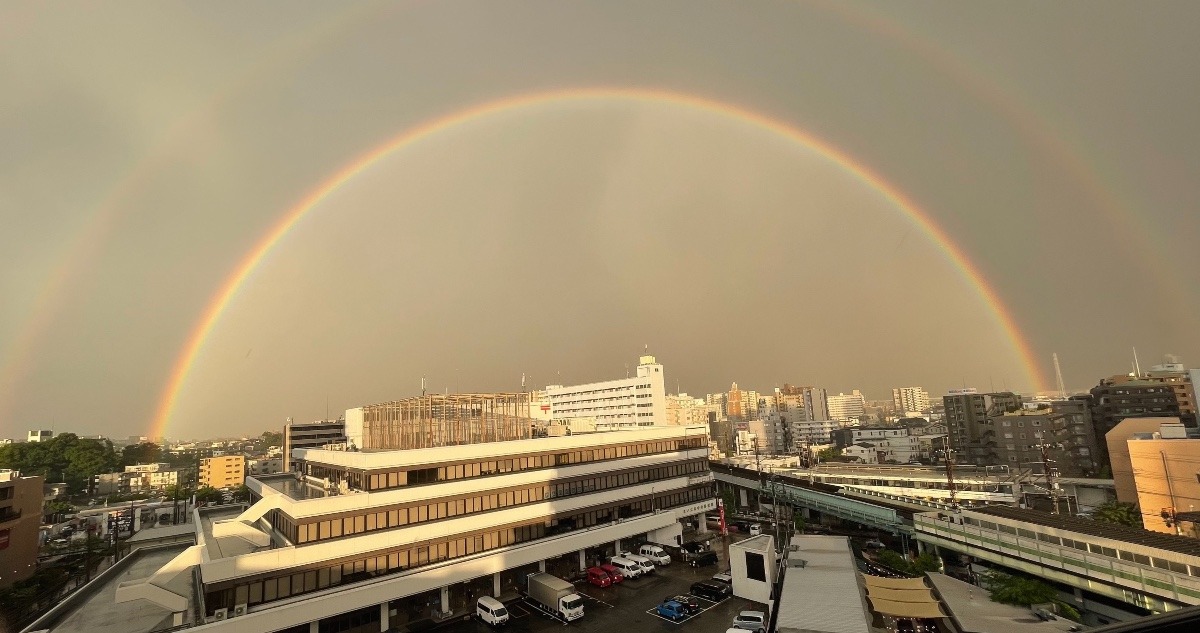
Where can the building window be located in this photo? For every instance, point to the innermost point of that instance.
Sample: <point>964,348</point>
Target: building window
<point>756,568</point>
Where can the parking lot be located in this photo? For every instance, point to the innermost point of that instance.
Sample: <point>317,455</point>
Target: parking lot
<point>629,606</point>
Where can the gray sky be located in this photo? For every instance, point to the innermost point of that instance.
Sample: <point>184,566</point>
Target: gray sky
<point>146,147</point>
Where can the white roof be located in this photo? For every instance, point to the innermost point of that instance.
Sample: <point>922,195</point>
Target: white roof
<point>830,579</point>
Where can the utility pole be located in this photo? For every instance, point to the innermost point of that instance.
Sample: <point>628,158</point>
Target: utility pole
<point>950,479</point>
<point>1051,471</point>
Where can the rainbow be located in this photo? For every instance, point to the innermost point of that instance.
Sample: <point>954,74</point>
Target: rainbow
<point>229,289</point>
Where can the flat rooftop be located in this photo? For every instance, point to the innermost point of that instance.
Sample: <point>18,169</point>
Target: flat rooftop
<point>100,613</point>
<point>288,485</point>
<point>829,578</point>
<point>974,612</point>
<point>223,547</point>
<point>1136,536</point>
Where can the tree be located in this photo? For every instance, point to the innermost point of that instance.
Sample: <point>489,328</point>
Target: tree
<point>242,494</point>
<point>65,457</point>
<point>208,494</point>
<point>1018,590</point>
<point>729,497</point>
<point>271,438</point>
<point>798,519</point>
<point>1119,513</point>
<point>57,509</point>
<point>923,564</point>
<point>144,453</point>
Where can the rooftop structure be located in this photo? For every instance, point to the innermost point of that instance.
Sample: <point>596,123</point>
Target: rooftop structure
<point>310,435</point>
<point>638,400</point>
<point>434,420</point>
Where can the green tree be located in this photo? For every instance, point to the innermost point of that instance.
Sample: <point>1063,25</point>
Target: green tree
<point>1018,590</point>
<point>208,494</point>
<point>798,520</point>
<point>65,457</point>
<point>271,438</point>
<point>1119,513</point>
<point>56,510</point>
<point>242,494</point>
<point>729,498</point>
<point>144,453</point>
<point>923,564</point>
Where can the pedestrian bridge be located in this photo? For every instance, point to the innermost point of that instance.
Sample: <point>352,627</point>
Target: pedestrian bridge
<point>838,505</point>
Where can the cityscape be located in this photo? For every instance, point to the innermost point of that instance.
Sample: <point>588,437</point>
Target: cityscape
<point>707,317</point>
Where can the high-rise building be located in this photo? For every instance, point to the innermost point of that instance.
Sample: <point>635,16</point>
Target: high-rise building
<point>20,521</point>
<point>632,402</point>
<point>1060,432</point>
<point>42,435</point>
<point>684,410</point>
<point>223,471</point>
<point>969,425</point>
<point>1121,397</point>
<point>454,522</point>
<point>850,406</point>
<point>816,404</point>
<point>1179,380</point>
<point>910,400</point>
<point>312,435</point>
<point>742,404</point>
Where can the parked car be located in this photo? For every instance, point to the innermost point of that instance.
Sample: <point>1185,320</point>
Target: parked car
<point>703,558</point>
<point>646,564</point>
<point>723,577</point>
<point>755,529</point>
<point>691,603</point>
<point>708,590</point>
<point>491,611</point>
<point>628,568</point>
<point>692,548</point>
<point>874,544</point>
<point>613,573</point>
<point>751,621</point>
<point>599,577</point>
<point>655,553</point>
<point>672,610</point>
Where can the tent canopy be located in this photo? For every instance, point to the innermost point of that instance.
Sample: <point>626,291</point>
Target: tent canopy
<point>906,609</point>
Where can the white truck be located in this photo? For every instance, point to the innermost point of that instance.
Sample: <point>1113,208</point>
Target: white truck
<point>554,595</point>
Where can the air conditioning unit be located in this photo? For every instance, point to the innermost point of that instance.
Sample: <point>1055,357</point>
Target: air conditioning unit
<point>220,614</point>
<point>239,610</point>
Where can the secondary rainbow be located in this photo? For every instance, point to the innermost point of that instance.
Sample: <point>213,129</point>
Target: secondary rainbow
<point>228,290</point>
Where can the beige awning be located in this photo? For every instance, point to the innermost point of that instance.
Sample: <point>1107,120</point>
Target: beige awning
<point>902,595</point>
<point>894,583</point>
<point>906,609</point>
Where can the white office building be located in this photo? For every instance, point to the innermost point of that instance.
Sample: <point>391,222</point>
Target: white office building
<point>910,400</point>
<point>352,538</point>
<point>847,406</point>
<point>638,401</point>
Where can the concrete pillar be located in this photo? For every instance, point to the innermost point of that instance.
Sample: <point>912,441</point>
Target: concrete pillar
<point>920,548</point>
<point>616,546</point>
<point>445,599</point>
<point>177,618</point>
<point>582,560</point>
<point>701,524</point>
<point>496,585</point>
<point>314,626</point>
<point>542,566</point>
<point>384,612</point>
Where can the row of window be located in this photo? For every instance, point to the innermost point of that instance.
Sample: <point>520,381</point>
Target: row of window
<point>296,582</point>
<point>406,477</point>
<point>390,517</point>
<point>1085,546</point>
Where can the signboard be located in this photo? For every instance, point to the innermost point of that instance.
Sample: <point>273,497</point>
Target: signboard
<point>721,514</point>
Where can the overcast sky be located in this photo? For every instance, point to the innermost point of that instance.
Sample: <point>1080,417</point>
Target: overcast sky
<point>146,147</point>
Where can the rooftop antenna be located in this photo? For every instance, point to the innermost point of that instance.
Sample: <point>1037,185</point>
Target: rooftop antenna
<point>1137,369</point>
<point>1062,389</point>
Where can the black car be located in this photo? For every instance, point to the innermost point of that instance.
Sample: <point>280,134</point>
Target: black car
<point>710,591</point>
<point>692,548</point>
<point>691,603</point>
<point>703,558</point>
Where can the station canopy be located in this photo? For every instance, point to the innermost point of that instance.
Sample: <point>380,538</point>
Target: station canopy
<point>902,597</point>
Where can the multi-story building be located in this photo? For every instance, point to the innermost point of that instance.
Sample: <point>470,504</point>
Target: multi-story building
<point>1119,397</point>
<point>1060,432</point>
<point>640,400</point>
<point>42,435</point>
<point>311,435</point>
<point>1180,381</point>
<point>970,431</point>
<point>225,471</point>
<point>772,434</point>
<point>740,403</point>
<point>879,445</point>
<point>1118,452</point>
<point>264,465</point>
<point>685,410</point>
<point>1164,469</point>
<point>20,521</point>
<point>366,529</point>
<point>808,433</point>
<point>843,406</point>
<point>910,400</point>
<point>816,405</point>
<point>152,477</point>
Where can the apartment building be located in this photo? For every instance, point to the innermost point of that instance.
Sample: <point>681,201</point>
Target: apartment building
<point>851,406</point>
<point>20,521</point>
<point>970,431</point>
<point>910,400</point>
<point>224,471</point>
<point>1164,468</point>
<point>640,400</point>
<point>42,435</point>
<point>1058,432</point>
<point>310,435</point>
<point>361,530</point>
<point>151,477</point>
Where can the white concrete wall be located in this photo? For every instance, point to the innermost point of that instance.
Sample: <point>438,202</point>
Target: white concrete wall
<point>744,587</point>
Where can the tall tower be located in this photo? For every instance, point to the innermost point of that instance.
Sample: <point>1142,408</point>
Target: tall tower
<point>1062,390</point>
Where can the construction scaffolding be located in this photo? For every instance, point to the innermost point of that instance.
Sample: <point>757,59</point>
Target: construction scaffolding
<point>446,420</point>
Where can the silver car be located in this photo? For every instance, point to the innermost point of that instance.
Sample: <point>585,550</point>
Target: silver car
<point>751,621</point>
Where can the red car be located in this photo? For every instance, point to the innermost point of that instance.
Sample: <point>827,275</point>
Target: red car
<point>599,577</point>
<point>613,573</point>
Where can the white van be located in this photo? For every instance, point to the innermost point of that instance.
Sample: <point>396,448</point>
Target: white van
<point>646,564</point>
<point>655,553</point>
<point>491,611</point>
<point>629,568</point>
